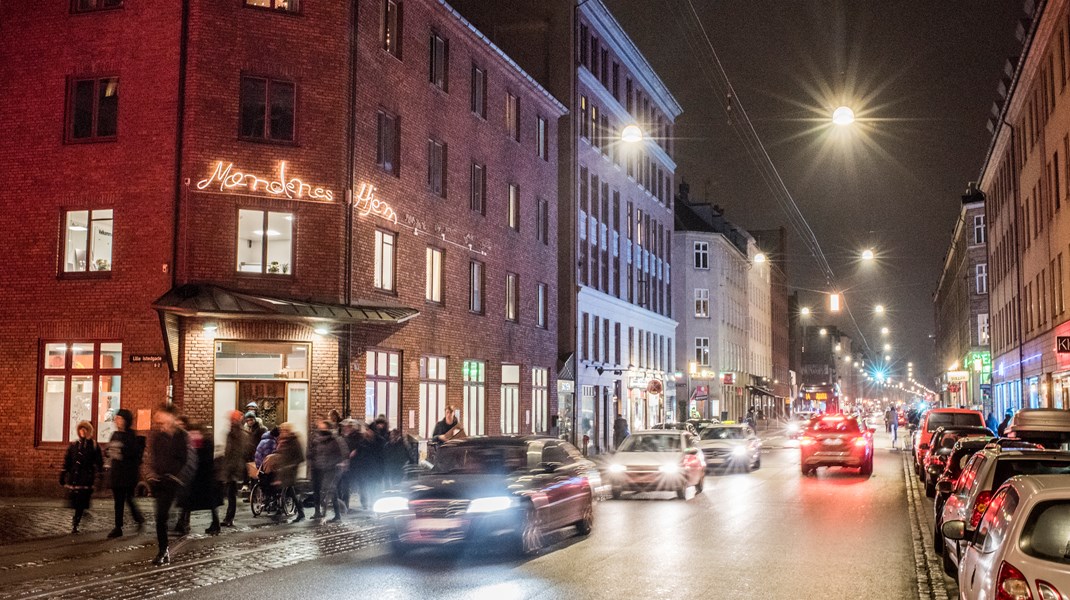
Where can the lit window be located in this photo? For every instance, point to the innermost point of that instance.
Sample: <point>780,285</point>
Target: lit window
<point>702,351</point>
<point>80,381</point>
<point>540,403</point>
<point>702,302</point>
<point>432,393</point>
<point>512,116</point>
<point>391,29</point>
<point>475,287</point>
<point>510,413</point>
<point>87,241</point>
<point>384,260</point>
<point>93,110</point>
<point>265,242</point>
<point>542,143</point>
<point>513,216</point>
<point>540,306</point>
<point>433,288</point>
<point>440,61</point>
<point>474,411</point>
<point>267,109</point>
<point>283,5</point>
<point>512,292</point>
<point>382,383</point>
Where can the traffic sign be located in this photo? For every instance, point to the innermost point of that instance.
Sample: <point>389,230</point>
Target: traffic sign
<point>1062,344</point>
<point>953,388</point>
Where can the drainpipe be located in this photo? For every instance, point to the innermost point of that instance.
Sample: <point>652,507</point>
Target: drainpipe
<point>345,352</point>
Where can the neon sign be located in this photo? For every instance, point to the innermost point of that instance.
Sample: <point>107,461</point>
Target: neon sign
<point>368,203</point>
<point>228,178</point>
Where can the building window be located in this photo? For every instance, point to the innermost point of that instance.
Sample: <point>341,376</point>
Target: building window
<point>540,399</point>
<point>432,393</point>
<point>542,221</point>
<point>542,143</point>
<point>981,278</point>
<point>512,294</point>
<point>474,415</point>
<point>540,305</point>
<point>702,255</point>
<point>510,415</point>
<point>982,329</point>
<point>284,5</point>
<point>80,381</point>
<point>87,241</point>
<point>390,35</point>
<point>382,385</point>
<point>267,109</point>
<point>702,351</point>
<point>440,62</point>
<point>385,252</point>
<point>79,6</point>
<point>513,207</point>
<point>512,116</point>
<point>436,167</point>
<point>388,144</point>
<point>477,194</point>
<point>93,110</point>
<point>475,287</point>
<point>265,242</point>
<point>584,123</point>
<point>433,285</point>
<point>479,92</point>
<point>702,302</point>
<point>979,229</point>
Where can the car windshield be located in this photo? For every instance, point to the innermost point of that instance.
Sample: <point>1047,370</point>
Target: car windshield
<point>723,433</point>
<point>482,460</point>
<point>938,420</point>
<point>1009,467</point>
<point>834,426</point>
<point>651,443</point>
<point>1046,534</point>
<point>950,437</point>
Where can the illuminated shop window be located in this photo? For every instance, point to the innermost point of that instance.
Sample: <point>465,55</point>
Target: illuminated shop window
<point>80,381</point>
<point>265,242</point>
<point>87,241</point>
<point>283,5</point>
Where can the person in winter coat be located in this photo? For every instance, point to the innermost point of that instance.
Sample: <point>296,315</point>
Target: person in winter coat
<point>268,442</point>
<point>81,466</point>
<point>168,449</point>
<point>351,435</point>
<point>125,451</point>
<point>255,428</point>
<point>326,454</point>
<point>991,422</point>
<point>204,489</point>
<point>620,430</point>
<point>232,471</point>
<point>291,455</point>
<point>400,451</point>
<point>369,458</point>
<point>1002,427</point>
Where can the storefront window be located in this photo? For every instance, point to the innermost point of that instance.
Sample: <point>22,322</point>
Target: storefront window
<point>540,405</point>
<point>432,392</point>
<point>473,414</point>
<point>81,381</point>
<point>382,385</point>
<point>260,360</point>
<point>510,417</point>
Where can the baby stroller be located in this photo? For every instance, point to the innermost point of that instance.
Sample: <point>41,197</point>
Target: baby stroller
<point>267,495</point>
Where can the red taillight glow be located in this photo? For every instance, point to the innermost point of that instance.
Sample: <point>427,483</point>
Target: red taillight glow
<point>1011,584</point>
<point>979,508</point>
<point>861,442</point>
<point>1047,591</point>
<point>807,441</point>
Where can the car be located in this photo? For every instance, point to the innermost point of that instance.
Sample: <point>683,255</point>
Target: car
<point>1049,427</point>
<point>943,441</point>
<point>730,447</point>
<point>1018,549</point>
<point>798,423</point>
<point>700,424</point>
<point>987,470</point>
<point>492,490</point>
<point>657,460</point>
<point>678,426</point>
<point>836,440</point>
<point>935,419</point>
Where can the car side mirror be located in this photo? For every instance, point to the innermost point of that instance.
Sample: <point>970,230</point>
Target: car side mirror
<point>943,486</point>
<point>954,530</point>
<point>691,451</point>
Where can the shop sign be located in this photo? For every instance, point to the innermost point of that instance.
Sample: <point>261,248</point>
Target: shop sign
<point>367,203</point>
<point>227,178</point>
<point>958,375</point>
<point>564,387</point>
<point>701,393</point>
<point>953,388</point>
<point>146,358</point>
<point>729,379</point>
<point>1062,344</point>
<point>639,383</point>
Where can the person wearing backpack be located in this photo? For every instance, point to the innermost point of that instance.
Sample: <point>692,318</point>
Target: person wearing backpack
<point>125,451</point>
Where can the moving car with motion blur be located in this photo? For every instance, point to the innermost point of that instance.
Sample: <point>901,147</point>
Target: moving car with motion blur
<point>975,487</point>
<point>1019,548</point>
<point>798,423</point>
<point>497,490</point>
<point>678,426</point>
<point>730,447</point>
<point>935,419</point>
<point>836,441</point>
<point>664,460</point>
<point>943,441</point>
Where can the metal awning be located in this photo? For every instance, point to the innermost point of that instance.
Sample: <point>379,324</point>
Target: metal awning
<point>761,391</point>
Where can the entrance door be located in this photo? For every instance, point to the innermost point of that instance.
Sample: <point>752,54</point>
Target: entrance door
<point>297,413</point>
<point>226,398</point>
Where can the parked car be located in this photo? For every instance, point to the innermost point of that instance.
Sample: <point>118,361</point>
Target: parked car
<point>935,419</point>
<point>492,490</point>
<point>700,424</point>
<point>732,447</point>
<point>678,426</point>
<point>1048,427</point>
<point>1018,549</point>
<point>984,473</point>
<point>836,440</point>
<point>943,441</point>
<point>657,460</point>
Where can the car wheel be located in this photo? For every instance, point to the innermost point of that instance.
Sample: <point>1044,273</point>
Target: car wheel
<point>682,493</point>
<point>757,463</point>
<point>586,522</point>
<point>938,539</point>
<point>930,488</point>
<point>530,541</point>
<point>807,471</point>
<point>867,468</point>
<point>949,567</point>
<point>615,493</point>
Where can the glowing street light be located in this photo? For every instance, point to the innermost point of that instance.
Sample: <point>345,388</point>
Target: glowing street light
<point>885,331</point>
<point>867,254</point>
<point>759,258</point>
<point>887,347</point>
<point>843,116</point>
<point>824,331</point>
<point>804,311</point>
<point>834,302</point>
<point>631,134</point>
<point>879,309</point>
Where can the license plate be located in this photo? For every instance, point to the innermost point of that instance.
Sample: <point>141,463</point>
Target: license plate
<point>434,524</point>
<point>833,442</point>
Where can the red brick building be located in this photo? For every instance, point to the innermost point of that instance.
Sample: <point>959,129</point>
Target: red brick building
<point>308,205</point>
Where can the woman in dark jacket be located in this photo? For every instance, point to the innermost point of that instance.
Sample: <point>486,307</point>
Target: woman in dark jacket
<point>125,451</point>
<point>81,466</point>
<point>291,455</point>
<point>204,492</point>
<point>326,453</point>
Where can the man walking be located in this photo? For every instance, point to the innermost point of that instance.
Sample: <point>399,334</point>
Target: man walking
<point>233,469</point>
<point>125,451</point>
<point>620,430</point>
<point>169,447</point>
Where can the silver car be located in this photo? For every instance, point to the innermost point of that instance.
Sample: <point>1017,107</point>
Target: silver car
<point>730,447</point>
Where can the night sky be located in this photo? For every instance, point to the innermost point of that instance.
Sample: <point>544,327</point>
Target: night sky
<point>921,77</point>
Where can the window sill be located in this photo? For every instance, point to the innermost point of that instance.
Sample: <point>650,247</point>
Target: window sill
<point>83,275</point>
<point>477,312</point>
<point>381,291</point>
<point>268,9</point>
<point>435,303</point>
<point>265,276</point>
<point>93,11</point>
<point>392,172</point>
<point>91,140</point>
<point>269,142</point>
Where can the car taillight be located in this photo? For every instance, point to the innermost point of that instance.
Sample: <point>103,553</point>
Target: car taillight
<point>1047,591</point>
<point>1011,584</point>
<point>979,508</point>
<point>861,442</point>
<point>807,441</point>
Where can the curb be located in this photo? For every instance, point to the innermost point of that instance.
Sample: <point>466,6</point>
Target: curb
<point>927,569</point>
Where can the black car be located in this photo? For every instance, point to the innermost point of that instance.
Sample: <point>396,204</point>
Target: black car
<point>497,489</point>
<point>943,440</point>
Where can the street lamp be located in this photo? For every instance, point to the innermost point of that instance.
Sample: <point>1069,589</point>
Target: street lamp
<point>804,311</point>
<point>879,309</point>
<point>759,258</point>
<point>884,331</point>
<point>631,134</point>
<point>867,254</point>
<point>843,116</point>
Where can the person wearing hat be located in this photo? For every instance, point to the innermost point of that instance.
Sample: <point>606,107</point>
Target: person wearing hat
<point>81,466</point>
<point>125,452</point>
<point>236,454</point>
<point>254,425</point>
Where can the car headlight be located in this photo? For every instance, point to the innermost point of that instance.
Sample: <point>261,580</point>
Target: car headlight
<point>669,469</point>
<point>793,427</point>
<point>491,504</point>
<point>617,468</point>
<point>390,504</point>
<point>739,451</point>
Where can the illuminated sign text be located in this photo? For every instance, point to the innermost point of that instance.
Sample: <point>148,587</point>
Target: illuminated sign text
<point>367,203</point>
<point>226,177</point>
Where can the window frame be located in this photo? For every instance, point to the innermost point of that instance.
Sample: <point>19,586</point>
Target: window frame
<point>542,221</point>
<point>474,424</point>
<point>72,84</point>
<point>509,415</point>
<point>68,372</point>
<point>704,299</point>
<point>430,276</point>
<point>512,115</point>
<point>275,9</point>
<point>542,138</point>
<point>87,273</point>
<point>704,252</point>
<point>386,117</point>
<point>387,379</point>
<point>266,213</point>
<point>477,269</point>
<point>268,82</point>
<point>979,234</point>
<point>434,64</point>
<point>702,361</point>
<point>378,241</point>
<point>437,171</point>
<point>542,299</point>
<point>512,207</point>
<point>540,400</point>
<point>384,27</point>
<point>981,278</point>
<point>477,102</point>
<point>440,384</point>
<point>512,297</point>
<point>478,184</point>
<point>99,7</point>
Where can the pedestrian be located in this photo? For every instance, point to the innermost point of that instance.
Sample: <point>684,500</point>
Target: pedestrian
<point>373,467</point>
<point>335,418</point>
<point>1002,427</point>
<point>400,452</point>
<point>125,452</point>
<point>291,455</point>
<point>81,467</point>
<point>444,430</point>
<point>232,471</point>
<point>749,418</point>
<point>253,425</point>
<point>326,453</point>
<point>204,492</point>
<point>889,416</point>
<point>895,425</point>
<point>268,443</point>
<point>168,449</point>
<point>620,430</point>
<point>351,435</point>
<point>189,470</point>
<point>991,421</point>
